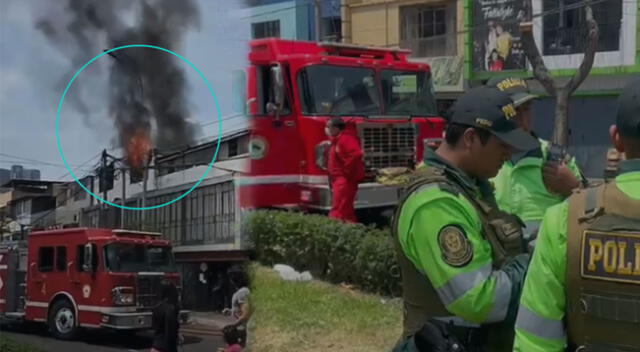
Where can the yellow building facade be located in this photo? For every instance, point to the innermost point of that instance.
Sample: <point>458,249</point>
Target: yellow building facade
<point>432,29</point>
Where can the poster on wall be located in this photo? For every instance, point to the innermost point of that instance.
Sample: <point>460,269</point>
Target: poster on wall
<point>496,35</point>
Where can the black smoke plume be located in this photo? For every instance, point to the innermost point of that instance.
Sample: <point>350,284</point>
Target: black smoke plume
<point>146,86</point>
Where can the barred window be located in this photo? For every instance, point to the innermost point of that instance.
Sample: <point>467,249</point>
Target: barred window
<point>565,29</point>
<point>269,29</point>
<point>428,31</point>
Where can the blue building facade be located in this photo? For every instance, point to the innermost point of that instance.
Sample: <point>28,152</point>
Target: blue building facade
<point>294,19</point>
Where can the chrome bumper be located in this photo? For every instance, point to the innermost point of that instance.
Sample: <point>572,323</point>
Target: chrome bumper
<point>370,195</point>
<point>134,320</point>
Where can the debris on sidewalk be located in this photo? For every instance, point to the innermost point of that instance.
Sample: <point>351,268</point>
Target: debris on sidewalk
<point>290,274</point>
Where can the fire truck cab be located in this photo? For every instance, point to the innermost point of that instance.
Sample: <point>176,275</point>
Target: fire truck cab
<point>295,87</point>
<point>85,277</point>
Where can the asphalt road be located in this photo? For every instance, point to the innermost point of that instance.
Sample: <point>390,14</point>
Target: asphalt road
<point>101,341</point>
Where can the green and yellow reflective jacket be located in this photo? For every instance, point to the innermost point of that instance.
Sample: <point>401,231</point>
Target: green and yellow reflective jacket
<point>519,187</point>
<point>540,324</point>
<point>474,290</point>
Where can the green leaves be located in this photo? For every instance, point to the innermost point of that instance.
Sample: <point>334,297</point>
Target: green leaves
<point>330,250</point>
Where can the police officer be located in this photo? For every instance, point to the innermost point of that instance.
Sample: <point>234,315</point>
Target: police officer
<point>461,258</point>
<point>529,183</point>
<point>585,272</point>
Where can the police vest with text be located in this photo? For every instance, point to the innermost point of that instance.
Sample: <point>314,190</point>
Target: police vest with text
<point>603,270</point>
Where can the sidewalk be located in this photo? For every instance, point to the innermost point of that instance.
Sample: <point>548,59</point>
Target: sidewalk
<point>206,323</point>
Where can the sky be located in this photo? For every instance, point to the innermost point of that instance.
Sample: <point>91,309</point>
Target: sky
<point>34,72</point>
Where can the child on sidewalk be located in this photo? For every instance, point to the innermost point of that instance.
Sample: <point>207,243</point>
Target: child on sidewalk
<point>232,338</point>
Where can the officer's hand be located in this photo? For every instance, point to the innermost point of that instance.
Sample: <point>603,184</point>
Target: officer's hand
<point>531,246</point>
<point>559,179</point>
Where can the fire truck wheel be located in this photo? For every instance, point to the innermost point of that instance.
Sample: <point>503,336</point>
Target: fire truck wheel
<point>62,320</point>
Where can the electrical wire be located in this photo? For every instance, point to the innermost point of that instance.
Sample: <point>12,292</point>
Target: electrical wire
<point>36,221</point>
<point>24,160</point>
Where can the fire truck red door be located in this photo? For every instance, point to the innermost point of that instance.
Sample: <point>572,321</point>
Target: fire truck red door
<point>41,265</point>
<point>276,145</point>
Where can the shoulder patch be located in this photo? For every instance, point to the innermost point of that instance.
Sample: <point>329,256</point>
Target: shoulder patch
<point>456,248</point>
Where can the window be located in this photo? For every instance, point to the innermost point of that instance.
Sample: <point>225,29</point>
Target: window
<point>61,258</point>
<point>266,93</point>
<point>408,93</point>
<point>565,30</point>
<point>332,29</point>
<point>80,257</point>
<point>269,29</point>
<point>232,148</point>
<point>128,257</point>
<point>45,259</point>
<point>338,90</point>
<point>424,30</point>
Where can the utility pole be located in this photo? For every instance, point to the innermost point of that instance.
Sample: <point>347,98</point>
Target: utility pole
<point>318,8</point>
<point>124,195</point>
<point>103,183</point>
<point>144,198</point>
<point>144,187</point>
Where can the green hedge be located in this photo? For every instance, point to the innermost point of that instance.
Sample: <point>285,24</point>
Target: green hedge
<point>329,249</point>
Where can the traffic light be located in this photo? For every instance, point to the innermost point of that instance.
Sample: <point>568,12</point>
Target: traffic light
<point>106,175</point>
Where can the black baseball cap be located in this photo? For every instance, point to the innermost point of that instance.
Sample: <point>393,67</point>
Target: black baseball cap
<point>628,119</point>
<point>493,110</point>
<point>516,88</point>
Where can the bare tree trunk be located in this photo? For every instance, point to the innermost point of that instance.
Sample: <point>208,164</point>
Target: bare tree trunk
<point>561,128</point>
<point>589,51</point>
<point>541,73</point>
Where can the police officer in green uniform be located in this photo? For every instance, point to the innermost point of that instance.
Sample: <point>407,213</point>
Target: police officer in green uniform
<point>583,286</point>
<point>461,258</point>
<point>530,183</point>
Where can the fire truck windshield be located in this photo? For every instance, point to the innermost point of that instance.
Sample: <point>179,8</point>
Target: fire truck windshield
<point>342,90</point>
<point>125,257</point>
<point>407,93</point>
<point>338,90</point>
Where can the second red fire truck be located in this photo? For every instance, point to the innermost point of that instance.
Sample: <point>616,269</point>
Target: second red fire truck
<point>85,278</point>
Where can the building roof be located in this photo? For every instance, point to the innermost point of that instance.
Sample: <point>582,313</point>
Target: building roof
<point>205,143</point>
<point>25,182</point>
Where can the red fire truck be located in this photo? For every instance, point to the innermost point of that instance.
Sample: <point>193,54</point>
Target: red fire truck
<point>85,278</point>
<point>294,87</point>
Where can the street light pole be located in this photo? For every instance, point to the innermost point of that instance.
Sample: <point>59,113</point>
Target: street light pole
<point>103,183</point>
<point>124,195</point>
<point>318,8</point>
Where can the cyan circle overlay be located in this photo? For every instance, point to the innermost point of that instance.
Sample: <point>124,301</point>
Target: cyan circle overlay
<point>213,94</point>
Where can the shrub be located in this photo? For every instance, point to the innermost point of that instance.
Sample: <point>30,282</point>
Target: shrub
<point>329,249</point>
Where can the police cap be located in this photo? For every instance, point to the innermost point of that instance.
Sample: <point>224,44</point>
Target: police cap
<point>516,88</point>
<point>493,110</point>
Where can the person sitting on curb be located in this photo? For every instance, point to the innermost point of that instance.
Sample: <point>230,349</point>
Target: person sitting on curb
<point>240,302</point>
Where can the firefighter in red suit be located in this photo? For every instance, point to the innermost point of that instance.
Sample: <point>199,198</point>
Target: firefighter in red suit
<point>346,169</point>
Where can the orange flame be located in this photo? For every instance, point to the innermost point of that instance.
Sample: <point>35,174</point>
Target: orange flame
<point>139,149</point>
